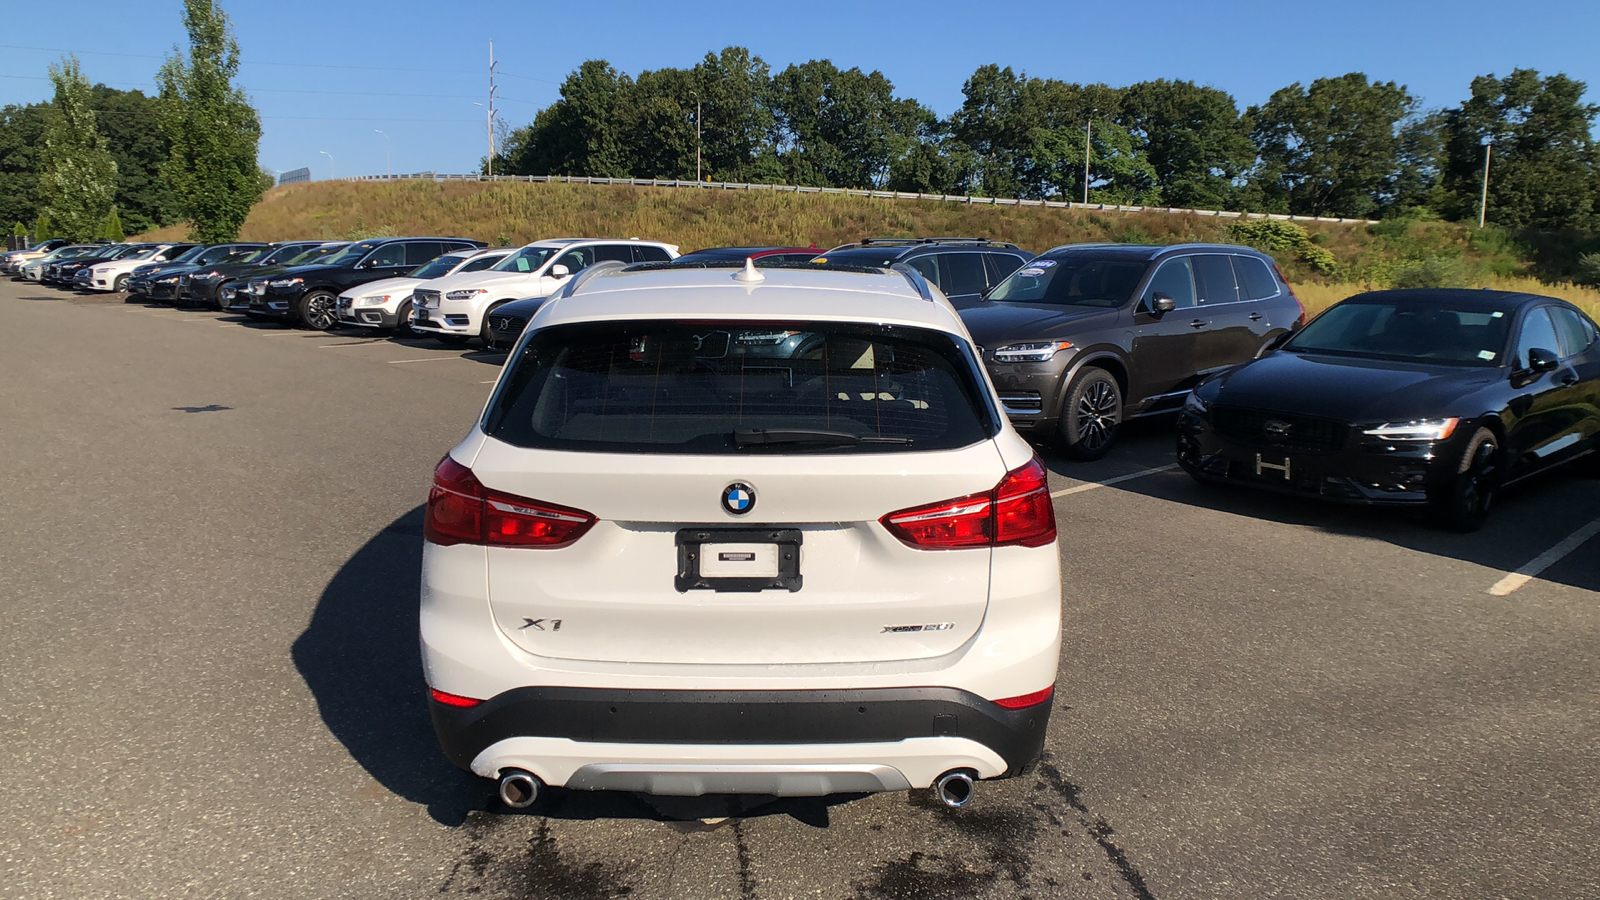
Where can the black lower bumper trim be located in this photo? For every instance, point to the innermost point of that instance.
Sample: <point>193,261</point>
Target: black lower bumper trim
<point>742,717</point>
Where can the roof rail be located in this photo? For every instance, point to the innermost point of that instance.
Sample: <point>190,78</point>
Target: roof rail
<point>583,278</point>
<point>917,280</point>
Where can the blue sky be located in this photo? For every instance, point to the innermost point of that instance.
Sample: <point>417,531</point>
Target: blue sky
<point>326,75</point>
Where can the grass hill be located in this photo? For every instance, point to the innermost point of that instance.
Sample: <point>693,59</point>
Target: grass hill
<point>1325,261</point>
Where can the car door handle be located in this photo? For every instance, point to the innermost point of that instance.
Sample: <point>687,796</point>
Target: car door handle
<point>1255,317</point>
<point>1198,323</point>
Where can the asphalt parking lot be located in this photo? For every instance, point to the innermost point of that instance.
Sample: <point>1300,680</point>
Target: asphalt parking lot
<point>211,684</point>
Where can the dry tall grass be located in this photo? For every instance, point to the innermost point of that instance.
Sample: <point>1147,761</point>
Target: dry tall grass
<point>1318,297</point>
<point>519,212</point>
<point>516,213</point>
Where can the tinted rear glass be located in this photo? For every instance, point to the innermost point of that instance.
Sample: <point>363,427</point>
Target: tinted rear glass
<point>675,387</point>
<point>1077,279</point>
<point>1412,331</point>
<point>865,256</point>
<point>1255,279</point>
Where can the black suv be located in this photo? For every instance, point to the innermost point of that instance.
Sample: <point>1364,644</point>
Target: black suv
<point>310,294</point>
<point>1088,335</point>
<point>203,286</point>
<point>963,268</point>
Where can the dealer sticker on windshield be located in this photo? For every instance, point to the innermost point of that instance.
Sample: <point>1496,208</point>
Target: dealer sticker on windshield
<point>1486,355</point>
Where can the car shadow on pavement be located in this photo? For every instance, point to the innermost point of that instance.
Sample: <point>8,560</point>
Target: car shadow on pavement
<point>1527,520</point>
<point>359,656</point>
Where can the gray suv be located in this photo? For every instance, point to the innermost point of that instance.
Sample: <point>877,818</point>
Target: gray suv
<point>963,268</point>
<point>1086,336</point>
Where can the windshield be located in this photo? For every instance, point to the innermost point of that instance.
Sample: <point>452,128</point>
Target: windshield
<point>190,255</point>
<point>144,253</point>
<point>864,256</point>
<point>315,255</point>
<point>437,268</point>
<point>528,259</point>
<point>1076,279</point>
<point>349,255</point>
<point>258,254</point>
<point>1410,330</point>
<point>739,387</point>
<point>280,255</point>
<point>216,254</point>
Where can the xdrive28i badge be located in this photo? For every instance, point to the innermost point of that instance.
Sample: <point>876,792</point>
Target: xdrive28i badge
<point>738,498</point>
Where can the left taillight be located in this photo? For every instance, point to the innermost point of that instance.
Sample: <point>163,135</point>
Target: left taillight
<point>462,511</point>
<point>455,699</point>
<point>1017,512</point>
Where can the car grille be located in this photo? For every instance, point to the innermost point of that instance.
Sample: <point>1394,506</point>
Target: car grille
<point>506,323</point>
<point>426,299</point>
<point>1280,431</point>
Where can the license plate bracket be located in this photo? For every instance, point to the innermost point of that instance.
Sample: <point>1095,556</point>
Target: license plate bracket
<point>744,563</point>
<point>1262,467</point>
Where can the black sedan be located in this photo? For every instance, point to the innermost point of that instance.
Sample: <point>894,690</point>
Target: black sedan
<point>1426,398</point>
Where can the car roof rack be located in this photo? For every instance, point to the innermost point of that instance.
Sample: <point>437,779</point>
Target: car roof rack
<point>589,273</point>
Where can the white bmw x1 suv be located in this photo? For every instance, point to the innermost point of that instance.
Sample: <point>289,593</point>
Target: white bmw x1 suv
<point>740,531</point>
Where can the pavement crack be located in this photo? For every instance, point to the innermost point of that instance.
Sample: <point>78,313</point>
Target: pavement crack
<point>747,882</point>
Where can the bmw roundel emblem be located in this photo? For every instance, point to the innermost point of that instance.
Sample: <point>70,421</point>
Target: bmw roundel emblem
<point>738,498</point>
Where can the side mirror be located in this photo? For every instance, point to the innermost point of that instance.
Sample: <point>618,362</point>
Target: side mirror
<point>1161,304</point>
<point>559,271</point>
<point>1542,360</point>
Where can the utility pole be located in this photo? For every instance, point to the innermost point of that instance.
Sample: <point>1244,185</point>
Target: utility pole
<point>1088,140</point>
<point>697,138</point>
<point>490,124</point>
<point>1483,202</point>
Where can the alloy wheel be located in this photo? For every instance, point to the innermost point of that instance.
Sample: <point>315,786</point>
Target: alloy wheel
<point>321,312</point>
<point>1098,411</point>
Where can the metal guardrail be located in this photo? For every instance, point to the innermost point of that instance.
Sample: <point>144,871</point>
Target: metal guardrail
<point>854,192</point>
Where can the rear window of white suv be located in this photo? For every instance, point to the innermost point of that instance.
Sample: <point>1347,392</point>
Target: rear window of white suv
<point>740,387</point>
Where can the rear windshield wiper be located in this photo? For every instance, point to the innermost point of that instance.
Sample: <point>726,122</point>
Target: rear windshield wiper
<point>754,437</point>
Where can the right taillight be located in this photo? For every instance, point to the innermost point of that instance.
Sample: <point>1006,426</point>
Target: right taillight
<point>1018,512</point>
<point>462,511</point>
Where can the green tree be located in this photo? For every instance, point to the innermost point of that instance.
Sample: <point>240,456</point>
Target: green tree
<point>1331,149</point>
<point>733,88</point>
<point>21,146</point>
<point>78,178</point>
<point>578,134</point>
<point>1194,139</point>
<point>1542,173</point>
<point>657,122</point>
<point>213,129</point>
<point>131,123</point>
<point>112,229</point>
<point>836,128</point>
<point>19,230</point>
<point>43,230</point>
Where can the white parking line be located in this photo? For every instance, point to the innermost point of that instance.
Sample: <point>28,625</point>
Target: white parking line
<point>1110,481</point>
<point>395,362</point>
<point>1545,560</point>
<point>366,343</point>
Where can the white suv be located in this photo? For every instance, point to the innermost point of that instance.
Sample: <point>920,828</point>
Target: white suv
<point>387,303</point>
<point>728,530</point>
<point>456,308</point>
<point>113,275</point>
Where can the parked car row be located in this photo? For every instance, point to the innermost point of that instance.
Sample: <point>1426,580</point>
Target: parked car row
<point>1076,341</point>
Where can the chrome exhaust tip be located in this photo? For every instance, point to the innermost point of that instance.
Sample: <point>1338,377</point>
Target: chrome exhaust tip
<point>519,789</point>
<point>953,789</point>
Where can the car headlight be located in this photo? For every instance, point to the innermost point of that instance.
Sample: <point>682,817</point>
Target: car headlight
<point>1414,430</point>
<point>286,282</point>
<point>465,295</point>
<point>1193,404</point>
<point>373,300</point>
<point>1030,351</point>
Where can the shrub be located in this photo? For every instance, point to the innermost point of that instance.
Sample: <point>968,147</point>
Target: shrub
<point>1432,272</point>
<point>1588,270</point>
<point>19,230</point>
<point>1319,259</point>
<point>1270,234</point>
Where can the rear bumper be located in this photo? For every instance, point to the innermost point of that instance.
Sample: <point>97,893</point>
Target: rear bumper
<point>780,742</point>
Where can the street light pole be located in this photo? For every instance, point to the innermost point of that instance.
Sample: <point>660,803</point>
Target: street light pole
<point>333,171</point>
<point>1088,140</point>
<point>1483,202</point>
<point>388,172</point>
